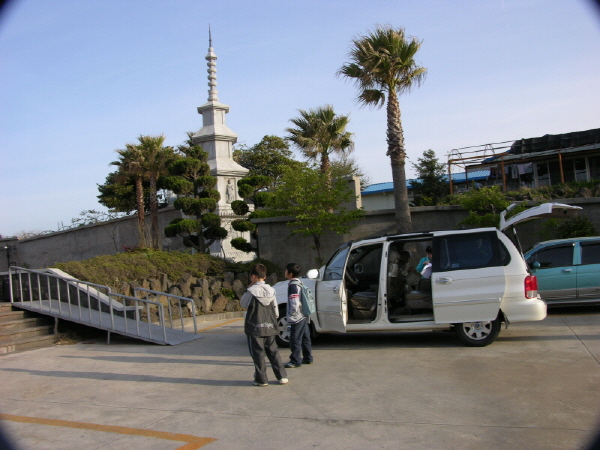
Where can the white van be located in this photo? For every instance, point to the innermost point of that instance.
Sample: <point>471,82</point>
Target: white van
<point>479,279</point>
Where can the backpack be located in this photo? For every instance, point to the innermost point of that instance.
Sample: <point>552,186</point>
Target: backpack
<point>307,299</point>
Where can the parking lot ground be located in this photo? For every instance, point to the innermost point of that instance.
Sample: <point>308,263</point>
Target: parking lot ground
<point>536,387</point>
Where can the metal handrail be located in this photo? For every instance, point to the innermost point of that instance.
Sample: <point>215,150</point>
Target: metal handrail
<point>20,279</point>
<point>178,298</point>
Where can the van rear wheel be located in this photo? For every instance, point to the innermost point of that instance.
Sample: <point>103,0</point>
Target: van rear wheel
<point>478,334</point>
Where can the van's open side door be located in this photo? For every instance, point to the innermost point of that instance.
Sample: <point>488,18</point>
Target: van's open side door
<point>332,305</point>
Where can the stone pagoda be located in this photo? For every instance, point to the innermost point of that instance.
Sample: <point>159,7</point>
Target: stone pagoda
<point>217,140</point>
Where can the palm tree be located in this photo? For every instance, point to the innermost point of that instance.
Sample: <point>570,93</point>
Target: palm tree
<point>156,160</point>
<point>318,133</point>
<point>131,165</point>
<point>383,66</point>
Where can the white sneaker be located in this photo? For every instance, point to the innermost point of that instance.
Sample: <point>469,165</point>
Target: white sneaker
<point>284,381</point>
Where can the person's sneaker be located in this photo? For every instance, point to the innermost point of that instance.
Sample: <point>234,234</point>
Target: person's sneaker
<point>256,383</point>
<point>291,365</point>
<point>307,362</point>
<point>284,381</point>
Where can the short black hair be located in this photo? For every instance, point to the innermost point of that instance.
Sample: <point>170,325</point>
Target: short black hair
<point>259,270</point>
<point>293,268</point>
<point>429,249</point>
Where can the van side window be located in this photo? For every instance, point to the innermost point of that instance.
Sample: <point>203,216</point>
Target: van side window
<point>549,258</point>
<point>590,252</point>
<point>468,251</point>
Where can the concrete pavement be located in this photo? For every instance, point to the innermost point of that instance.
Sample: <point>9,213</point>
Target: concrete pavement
<point>536,387</point>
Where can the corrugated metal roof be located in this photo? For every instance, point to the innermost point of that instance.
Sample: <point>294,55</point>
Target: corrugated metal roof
<point>378,188</point>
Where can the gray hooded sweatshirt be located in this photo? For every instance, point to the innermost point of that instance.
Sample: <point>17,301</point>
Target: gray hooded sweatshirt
<point>264,293</point>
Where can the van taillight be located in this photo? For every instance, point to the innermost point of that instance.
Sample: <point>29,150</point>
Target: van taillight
<point>531,287</point>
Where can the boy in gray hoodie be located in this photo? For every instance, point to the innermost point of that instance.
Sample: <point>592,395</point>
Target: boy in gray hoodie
<point>260,326</point>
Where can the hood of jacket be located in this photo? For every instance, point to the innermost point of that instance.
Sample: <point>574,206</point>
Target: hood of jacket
<point>263,292</point>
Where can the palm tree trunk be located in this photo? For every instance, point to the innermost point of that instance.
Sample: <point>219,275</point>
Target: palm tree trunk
<point>154,233</point>
<point>397,154</point>
<point>139,199</point>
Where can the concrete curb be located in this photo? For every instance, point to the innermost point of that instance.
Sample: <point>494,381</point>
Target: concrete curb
<point>219,316</point>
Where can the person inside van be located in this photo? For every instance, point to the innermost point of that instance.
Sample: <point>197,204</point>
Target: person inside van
<point>424,266</point>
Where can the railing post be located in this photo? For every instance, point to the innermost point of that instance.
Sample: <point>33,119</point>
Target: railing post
<point>67,286</point>
<point>79,301</point>
<point>58,295</point>
<point>162,322</point>
<point>39,283</point>
<point>137,315</point>
<point>90,304</point>
<point>181,314</point>
<point>10,286</point>
<point>110,309</point>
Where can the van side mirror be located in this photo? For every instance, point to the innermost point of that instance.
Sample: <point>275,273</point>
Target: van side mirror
<point>536,265</point>
<point>312,274</point>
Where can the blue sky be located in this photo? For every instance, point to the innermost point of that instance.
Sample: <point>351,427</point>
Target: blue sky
<point>79,79</point>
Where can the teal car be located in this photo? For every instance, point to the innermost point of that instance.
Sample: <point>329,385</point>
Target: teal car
<point>567,270</point>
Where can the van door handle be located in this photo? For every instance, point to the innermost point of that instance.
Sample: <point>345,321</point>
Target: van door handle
<point>443,280</point>
<point>567,270</point>
<point>335,289</point>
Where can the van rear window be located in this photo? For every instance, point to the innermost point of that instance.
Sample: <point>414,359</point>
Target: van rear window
<point>468,251</point>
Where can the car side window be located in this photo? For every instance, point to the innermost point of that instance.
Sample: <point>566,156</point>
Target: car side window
<point>549,258</point>
<point>468,251</point>
<point>335,267</point>
<point>590,253</point>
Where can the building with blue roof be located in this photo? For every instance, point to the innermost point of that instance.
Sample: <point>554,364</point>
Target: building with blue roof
<point>381,195</point>
<point>512,165</point>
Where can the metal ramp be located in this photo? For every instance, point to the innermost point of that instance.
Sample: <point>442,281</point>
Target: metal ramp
<point>157,318</point>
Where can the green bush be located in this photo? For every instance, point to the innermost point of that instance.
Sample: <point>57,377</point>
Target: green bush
<point>578,226</point>
<point>239,267</point>
<point>111,270</point>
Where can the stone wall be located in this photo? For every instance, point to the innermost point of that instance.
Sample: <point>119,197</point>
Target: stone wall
<point>208,293</point>
<point>85,242</point>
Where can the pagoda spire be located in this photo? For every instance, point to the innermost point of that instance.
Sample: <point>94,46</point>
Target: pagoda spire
<point>211,57</point>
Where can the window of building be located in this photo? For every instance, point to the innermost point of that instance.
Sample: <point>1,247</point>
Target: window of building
<point>554,169</point>
<point>543,175</point>
<point>568,170</point>
<point>594,163</point>
<point>580,169</point>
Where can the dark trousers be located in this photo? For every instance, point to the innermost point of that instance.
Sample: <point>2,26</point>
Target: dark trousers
<point>300,344</point>
<point>260,346</point>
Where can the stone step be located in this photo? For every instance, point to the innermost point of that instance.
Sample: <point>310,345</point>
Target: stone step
<point>7,316</point>
<point>28,343</point>
<point>23,330</point>
<point>19,324</point>
<point>24,333</point>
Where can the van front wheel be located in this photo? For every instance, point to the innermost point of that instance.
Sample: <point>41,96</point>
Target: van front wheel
<point>283,338</point>
<point>478,334</point>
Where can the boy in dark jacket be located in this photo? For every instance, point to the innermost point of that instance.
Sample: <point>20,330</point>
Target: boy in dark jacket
<point>300,344</point>
<point>260,326</point>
